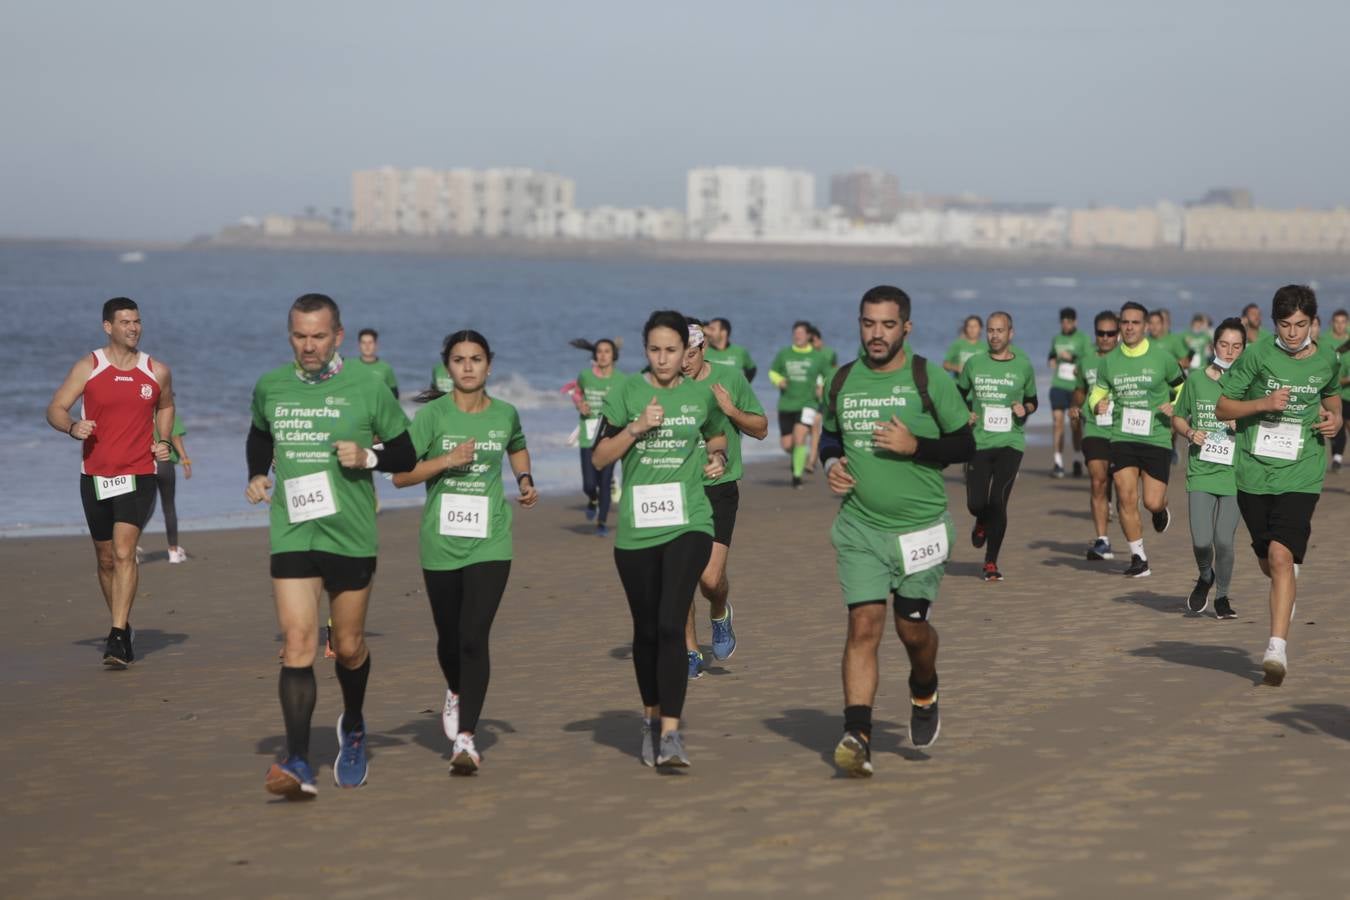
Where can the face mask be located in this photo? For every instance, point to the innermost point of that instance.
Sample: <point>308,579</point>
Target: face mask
<point>1222,364</point>
<point>1286,348</point>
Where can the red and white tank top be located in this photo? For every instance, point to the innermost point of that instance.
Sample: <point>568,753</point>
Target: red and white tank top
<point>121,403</point>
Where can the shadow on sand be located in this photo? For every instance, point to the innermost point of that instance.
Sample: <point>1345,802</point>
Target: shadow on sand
<point>1232,660</point>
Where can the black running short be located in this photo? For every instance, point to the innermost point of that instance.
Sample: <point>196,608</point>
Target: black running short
<point>725,500</point>
<point>339,573</point>
<point>1283,518</point>
<point>1096,448</point>
<point>1152,460</point>
<point>132,508</point>
<point>1060,398</point>
<point>787,420</point>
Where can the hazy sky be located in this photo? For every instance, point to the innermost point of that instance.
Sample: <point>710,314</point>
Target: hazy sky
<point>168,119</point>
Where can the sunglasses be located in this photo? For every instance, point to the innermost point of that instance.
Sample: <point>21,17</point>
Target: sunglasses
<point>1101,333</point>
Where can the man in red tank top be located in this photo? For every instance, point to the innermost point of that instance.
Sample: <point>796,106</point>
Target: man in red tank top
<point>126,396</point>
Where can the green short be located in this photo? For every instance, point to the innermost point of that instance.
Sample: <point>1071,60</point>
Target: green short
<point>871,565</point>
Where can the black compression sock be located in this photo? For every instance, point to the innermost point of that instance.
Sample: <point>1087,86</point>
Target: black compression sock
<point>353,683</point>
<point>859,719</point>
<point>298,691</point>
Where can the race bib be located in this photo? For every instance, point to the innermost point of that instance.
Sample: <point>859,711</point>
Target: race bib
<point>105,488</point>
<point>808,416</point>
<point>1066,371</point>
<point>1136,421</point>
<point>1217,448</point>
<point>998,418</point>
<point>658,505</point>
<point>309,497</point>
<point>464,515</point>
<point>924,549</point>
<point>1104,419</point>
<point>1278,440</point>
<point>591,426</point>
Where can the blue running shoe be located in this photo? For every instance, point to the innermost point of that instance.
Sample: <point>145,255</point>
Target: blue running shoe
<point>695,664</point>
<point>602,530</point>
<point>723,636</point>
<point>292,779</point>
<point>349,769</point>
<point>591,509</point>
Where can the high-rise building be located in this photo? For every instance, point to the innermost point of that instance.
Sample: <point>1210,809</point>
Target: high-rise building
<point>461,202</point>
<point>736,203</point>
<point>866,195</point>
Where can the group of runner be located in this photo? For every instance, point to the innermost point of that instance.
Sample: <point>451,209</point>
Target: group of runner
<point>1257,417</point>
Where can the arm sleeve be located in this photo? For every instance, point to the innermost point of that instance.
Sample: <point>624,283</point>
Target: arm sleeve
<point>831,444</point>
<point>397,455</point>
<point>516,442</point>
<point>951,447</point>
<point>1181,406</point>
<point>258,450</point>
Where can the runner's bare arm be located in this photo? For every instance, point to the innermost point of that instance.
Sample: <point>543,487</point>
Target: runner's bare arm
<point>520,467</point>
<point>58,411</point>
<point>163,409</point>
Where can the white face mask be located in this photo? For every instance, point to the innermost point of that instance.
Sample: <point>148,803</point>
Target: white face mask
<point>1286,348</point>
<point>1223,364</point>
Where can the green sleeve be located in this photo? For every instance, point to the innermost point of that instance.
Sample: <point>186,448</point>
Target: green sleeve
<point>744,396</point>
<point>1053,356</point>
<point>1182,406</point>
<point>516,442</point>
<point>390,379</point>
<point>963,380</point>
<point>422,431</point>
<point>1080,378</point>
<point>1085,345</point>
<point>953,354</point>
<point>777,364</point>
<point>390,419</point>
<point>258,408</point>
<point>615,411</point>
<point>178,429</point>
<point>746,362</point>
<point>1239,377</point>
<point>716,423</point>
<point>949,409</point>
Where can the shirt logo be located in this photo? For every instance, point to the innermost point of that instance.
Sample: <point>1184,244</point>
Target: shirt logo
<point>335,401</point>
<point>496,433</point>
<point>146,391</point>
<point>687,408</point>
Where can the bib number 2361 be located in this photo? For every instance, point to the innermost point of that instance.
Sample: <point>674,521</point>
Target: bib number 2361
<point>924,549</point>
<point>658,505</point>
<point>309,497</point>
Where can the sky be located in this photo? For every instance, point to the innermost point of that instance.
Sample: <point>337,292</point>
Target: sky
<point>164,120</point>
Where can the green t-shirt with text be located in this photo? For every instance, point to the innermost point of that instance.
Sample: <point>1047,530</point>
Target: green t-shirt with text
<point>804,370</point>
<point>1088,368</point>
<point>1066,350</point>
<point>594,389</point>
<point>1196,404</point>
<point>734,355</point>
<point>743,398</point>
<point>960,350</point>
<point>1138,385</point>
<point>304,421</point>
<point>663,485</point>
<point>991,387</point>
<point>466,519</point>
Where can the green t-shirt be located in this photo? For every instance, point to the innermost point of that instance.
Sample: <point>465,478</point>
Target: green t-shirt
<point>1088,368</point>
<point>1066,350</point>
<point>384,372</point>
<point>663,494</point>
<point>991,387</point>
<point>441,380</point>
<point>1197,346</point>
<point>1196,405</point>
<point>960,350</point>
<point>594,389</point>
<point>178,431</point>
<point>1343,371</point>
<point>466,519</point>
<point>304,421</point>
<point>1176,345</point>
<point>1135,383</point>
<point>893,493</point>
<point>1262,439</point>
<point>804,370</point>
<point>734,355</point>
<point>744,399</point>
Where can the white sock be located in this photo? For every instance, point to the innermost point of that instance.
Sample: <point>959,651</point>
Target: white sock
<point>1336,457</point>
<point>1137,548</point>
<point>1059,459</point>
<point>1103,538</point>
<point>1276,645</point>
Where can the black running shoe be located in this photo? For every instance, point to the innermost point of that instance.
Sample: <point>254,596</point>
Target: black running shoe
<point>1199,598</point>
<point>977,536</point>
<point>1138,567</point>
<point>1161,520</point>
<point>991,572</point>
<point>117,652</point>
<point>924,723</point>
<point>796,483</point>
<point>1077,469</point>
<point>1223,609</point>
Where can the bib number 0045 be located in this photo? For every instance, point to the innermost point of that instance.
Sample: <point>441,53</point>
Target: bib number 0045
<point>309,497</point>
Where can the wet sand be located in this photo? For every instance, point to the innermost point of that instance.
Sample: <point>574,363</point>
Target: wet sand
<point>1094,738</point>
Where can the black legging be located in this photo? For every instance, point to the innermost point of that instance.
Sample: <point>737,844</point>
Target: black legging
<point>989,483</point>
<point>165,481</point>
<point>1338,442</point>
<point>463,605</point>
<point>596,483</point>
<point>660,583</point>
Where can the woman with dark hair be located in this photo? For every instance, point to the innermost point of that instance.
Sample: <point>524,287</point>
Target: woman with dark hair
<point>592,387</point>
<point>658,423</point>
<point>966,345</point>
<point>460,438</point>
<point>1211,487</point>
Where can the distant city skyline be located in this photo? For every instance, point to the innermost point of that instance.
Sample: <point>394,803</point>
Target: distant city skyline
<point>162,121</point>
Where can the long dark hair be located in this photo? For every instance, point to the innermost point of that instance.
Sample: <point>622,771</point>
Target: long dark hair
<point>591,346</point>
<point>465,335</point>
<point>667,318</point>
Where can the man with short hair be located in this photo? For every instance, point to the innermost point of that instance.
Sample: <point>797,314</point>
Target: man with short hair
<point>797,372</point>
<point>1097,432</point>
<point>1251,318</point>
<point>721,352</point>
<point>128,398</point>
<point>368,341</point>
<point>1136,383</point>
<point>892,422</point>
<point>314,420</point>
<point>1066,349</point>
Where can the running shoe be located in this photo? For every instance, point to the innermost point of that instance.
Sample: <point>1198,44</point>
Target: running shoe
<point>723,636</point>
<point>1138,567</point>
<point>465,759</point>
<point>292,779</point>
<point>672,755</point>
<point>853,755</point>
<point>131,641</point>
<point>1223,609</point>
<point>602,530</point>
<point>991,572</point>
<point>140,554</point>
<point>350,767</point>
<point>796,483</point>
<point>450,715</point>
<point>1275,665</point>
<point>1161,520</point>
<point>1199,598</point>
<point>1335,465</point>
<point>117,651</point>
<point>977,536</point>
<point>1057,472</point>
<point>177,555</point>
<point>924,723</point>
<point>695,664</point>
<point>592,508</point>
<point>651,736</point>
<point>1077,468</point>
<point>1100,550</point>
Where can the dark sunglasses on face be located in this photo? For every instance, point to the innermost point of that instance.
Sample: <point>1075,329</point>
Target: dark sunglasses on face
<point>1101,333</point>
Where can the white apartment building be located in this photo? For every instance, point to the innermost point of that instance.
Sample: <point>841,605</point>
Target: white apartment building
<point>459,202</point>
<point>735,203</point>
<point>611,223</point>
<point>1141,228</point>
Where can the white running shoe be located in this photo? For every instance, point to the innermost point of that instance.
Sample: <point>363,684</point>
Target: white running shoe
<point>465,759</point>
<point>1275,665</point>
<point>177,555</point>
<point>450,715</point>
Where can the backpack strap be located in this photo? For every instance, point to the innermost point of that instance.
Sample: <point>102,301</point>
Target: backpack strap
<point>837,385</point>
<point>919,370</point>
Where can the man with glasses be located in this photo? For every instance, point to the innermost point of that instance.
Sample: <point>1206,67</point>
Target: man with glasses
<point>1097,431</point>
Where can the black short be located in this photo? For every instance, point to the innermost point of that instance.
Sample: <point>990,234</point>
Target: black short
<point>1152,460</point>
<point>725,500</point>
<point>339,573</point>
<point>132,508</point>
<point>788,420</point>
<point>1096,448</point>
<point>1285,518</point>
<point>1060,398</point>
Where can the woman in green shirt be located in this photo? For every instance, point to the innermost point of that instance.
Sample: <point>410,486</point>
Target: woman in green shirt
<point>1211,487</point>
<point>669,431</point>
<point>966,345</point>
<point>460,439</point>
<point>593,385</point>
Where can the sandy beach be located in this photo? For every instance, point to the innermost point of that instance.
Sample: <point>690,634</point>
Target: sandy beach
<point>1094,739</point>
